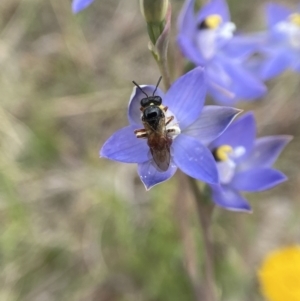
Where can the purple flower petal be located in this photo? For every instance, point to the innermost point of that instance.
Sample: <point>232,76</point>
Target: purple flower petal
<point>219,83</point>
<point>211,123</point>
<point>265,152</point>
<point>150,176</point>
<point>186,97</point>
<point>241,133</point>
<point>257,179</point>
<point>134,112</point>
<point>229,198</point>
<point>194,159</point>
<point>78,5</point>
<point>276,13</point>
<point>187,30</point>
<point>186,19</point>
<point>123,146</point>
<point>275,64</point>
<point>214,7</point>
<point>241,46</point>
<point>229,81</point>
<point>243,84</point>
<point>190,50</point>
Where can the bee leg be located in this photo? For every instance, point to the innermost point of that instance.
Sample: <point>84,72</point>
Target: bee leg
<point>165,109</point>
<point>169,119</point>
<point>142,133</point>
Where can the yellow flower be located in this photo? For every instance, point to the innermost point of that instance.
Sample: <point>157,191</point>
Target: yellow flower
<point>279,275</point>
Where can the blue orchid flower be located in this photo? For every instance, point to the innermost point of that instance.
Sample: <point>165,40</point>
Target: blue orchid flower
<point>279,47</point>
<point>196,126</point>
<point>79,5</point>
<point>207,39</point>
<point>245,163</point>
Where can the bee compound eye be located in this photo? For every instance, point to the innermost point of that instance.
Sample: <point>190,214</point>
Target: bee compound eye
<point>145,102</point>
<point>157,100</point>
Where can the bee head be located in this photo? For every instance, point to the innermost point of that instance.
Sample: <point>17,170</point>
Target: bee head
<point>151,100</point>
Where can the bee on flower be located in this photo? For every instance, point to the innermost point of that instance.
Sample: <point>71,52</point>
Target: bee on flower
<point>170,131</point>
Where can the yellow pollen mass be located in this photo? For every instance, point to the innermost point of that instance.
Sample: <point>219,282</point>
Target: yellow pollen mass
<point>295,18</point>
<point>279,275</point>
<point>222,152</point>
<point>213,21</point>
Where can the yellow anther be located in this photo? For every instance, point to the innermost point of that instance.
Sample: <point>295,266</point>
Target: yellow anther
<point>222,152</point>
<point>295,19</point>
<point>213,21</point>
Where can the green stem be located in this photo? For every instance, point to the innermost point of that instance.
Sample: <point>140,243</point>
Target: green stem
<point>190,257</point>
<point>163,68</point>
<point>205,210</point>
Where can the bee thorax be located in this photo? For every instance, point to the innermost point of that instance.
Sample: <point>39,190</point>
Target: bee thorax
<point>152,116</point>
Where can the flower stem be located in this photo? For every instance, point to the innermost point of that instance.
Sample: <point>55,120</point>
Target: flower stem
<point>205,210</point>
<point>190,259</point>
<point>162,65</point>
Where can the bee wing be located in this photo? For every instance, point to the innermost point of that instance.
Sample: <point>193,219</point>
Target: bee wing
<point>161,154</point>
<point>159,145</point>
<point>162,157</point>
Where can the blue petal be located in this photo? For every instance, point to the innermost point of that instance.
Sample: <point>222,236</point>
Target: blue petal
<point>275,64</point>
<point>229,198</point>
<point>265,152</point>
<point>186,19</point>
<point>78,5</point>
<point>123,146</point>
<point>219,83</point>
<point>194,159</point>
<point>190,50</point>
<point>257,179</point>
<point>240,133</point>
<point>218,7</point>
<point>134,112</point>
<point>244,85</point>
<point>211,123</point>
<point>186,97</point>
<point>229,81</point>
<point>240,46</point>
<point>187,30</point>
<point>150,176</point>
<point>276,13</point>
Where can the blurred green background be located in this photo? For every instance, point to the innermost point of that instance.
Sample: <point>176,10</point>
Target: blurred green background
<point>76,227</point>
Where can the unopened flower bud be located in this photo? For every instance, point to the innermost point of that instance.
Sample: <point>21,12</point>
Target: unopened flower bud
<point>154,11</point>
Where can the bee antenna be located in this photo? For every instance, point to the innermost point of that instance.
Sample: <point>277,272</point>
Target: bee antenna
<point>139,88</point>
<point>157,85</point>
